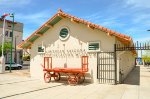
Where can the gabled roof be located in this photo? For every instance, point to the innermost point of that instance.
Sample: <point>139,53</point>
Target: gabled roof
<point>60,15</point>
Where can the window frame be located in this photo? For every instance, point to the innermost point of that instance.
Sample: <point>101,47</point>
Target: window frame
<point>61,38</point>
<point>97,50</point>
<point>10,34</point>
<point>41,47</point>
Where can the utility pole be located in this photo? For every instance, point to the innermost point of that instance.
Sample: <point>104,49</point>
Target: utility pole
<point>16,49</point>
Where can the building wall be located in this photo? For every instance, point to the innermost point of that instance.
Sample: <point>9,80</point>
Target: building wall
<point>126,64</point>
<point>67,53</point>
<point>17,35</point>
<point>18,55</point>
<point>17,26</point>
<point>17,38</point>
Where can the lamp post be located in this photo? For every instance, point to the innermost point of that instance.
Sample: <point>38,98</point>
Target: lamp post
<point>15,49</point>
<point>12,15</point>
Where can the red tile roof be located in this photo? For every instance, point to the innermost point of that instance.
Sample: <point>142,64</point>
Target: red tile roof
<point>111,32</point>
<point>121,37</point>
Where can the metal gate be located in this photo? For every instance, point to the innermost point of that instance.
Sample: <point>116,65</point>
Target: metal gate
<point>106,67</point>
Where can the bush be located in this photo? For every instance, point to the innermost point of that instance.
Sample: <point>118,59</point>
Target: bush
<point>26,58</point>
<point>7,47</point>
<point>146,58</point>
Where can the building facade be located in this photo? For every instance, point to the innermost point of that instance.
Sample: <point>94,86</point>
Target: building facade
<point>66,38</point>
<point>17,39</point>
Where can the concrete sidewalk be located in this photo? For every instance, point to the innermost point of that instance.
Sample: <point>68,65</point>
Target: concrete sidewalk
<point>136,86</point>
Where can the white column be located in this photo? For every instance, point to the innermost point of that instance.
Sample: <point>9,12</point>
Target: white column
<point>2,63</point>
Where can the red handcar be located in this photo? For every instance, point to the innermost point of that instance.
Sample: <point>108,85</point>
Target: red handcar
<point>75,75</point>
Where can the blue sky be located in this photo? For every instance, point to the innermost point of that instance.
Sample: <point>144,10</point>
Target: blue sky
<point>130,17</point>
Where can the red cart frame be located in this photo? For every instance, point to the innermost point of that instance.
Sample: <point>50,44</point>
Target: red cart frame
<point>74,75</point>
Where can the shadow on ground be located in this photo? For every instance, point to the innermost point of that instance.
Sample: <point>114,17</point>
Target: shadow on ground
<point>134,77</point>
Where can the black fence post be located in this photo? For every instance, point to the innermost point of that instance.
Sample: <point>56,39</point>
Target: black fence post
<point>97,66</point>
<point>115,60</point>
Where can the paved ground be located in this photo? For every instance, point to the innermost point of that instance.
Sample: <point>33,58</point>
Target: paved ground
<point>19,86</point>
<point>25,71</point>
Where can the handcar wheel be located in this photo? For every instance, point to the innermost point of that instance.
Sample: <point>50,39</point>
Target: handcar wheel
<point>73,80</point>
<point>56,76</point>
<point>47,77</point>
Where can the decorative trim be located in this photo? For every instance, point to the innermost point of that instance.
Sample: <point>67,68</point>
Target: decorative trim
<point>48,25</point>
<point>39,35</point>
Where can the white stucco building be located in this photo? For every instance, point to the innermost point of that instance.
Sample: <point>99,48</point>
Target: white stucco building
<point>66,38</point>
<point>17,39</point>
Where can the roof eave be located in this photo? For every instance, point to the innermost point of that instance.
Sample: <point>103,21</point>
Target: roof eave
<point>123,38</point>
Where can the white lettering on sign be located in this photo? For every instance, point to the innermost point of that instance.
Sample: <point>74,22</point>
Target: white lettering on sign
<point>68,53</point>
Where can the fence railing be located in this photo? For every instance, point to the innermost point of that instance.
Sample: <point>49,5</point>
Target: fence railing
<point>135,46</point>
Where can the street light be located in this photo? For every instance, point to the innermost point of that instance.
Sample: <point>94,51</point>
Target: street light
<point>148,30</point>
<point>12,15</point>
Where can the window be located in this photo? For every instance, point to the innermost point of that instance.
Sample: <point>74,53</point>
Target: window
<point>93,46</point>
<point>9,26</point>
<point>64,34</point>
<point>41,49</point>
<point>10,34</point>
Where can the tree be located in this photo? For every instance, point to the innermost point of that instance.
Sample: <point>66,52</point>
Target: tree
<point>26,58</point>
<point>7,46</point>
<point>146,58</point>
<point>146,53</point>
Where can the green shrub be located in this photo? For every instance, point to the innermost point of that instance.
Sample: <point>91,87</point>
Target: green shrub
<point>7,47</point>
<point>146,58</point>
<point>26,58</point>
